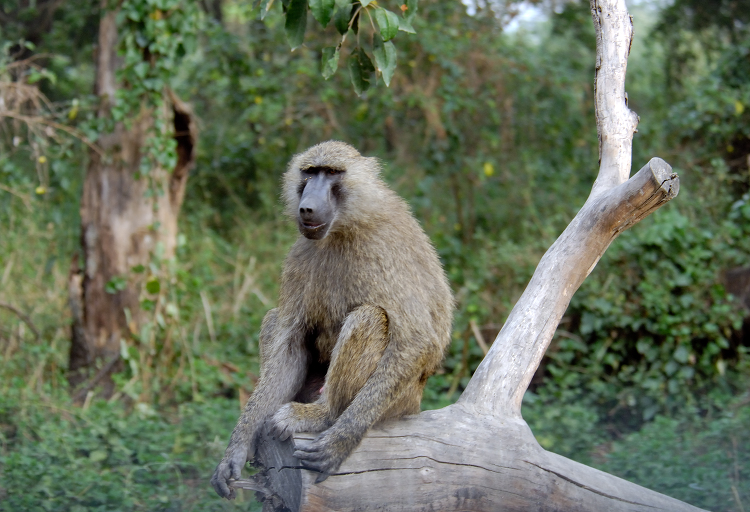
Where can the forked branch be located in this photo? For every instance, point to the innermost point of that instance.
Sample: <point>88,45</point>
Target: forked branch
<point>615,204</point>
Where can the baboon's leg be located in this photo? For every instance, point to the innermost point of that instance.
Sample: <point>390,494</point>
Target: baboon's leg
<point>359,347</point>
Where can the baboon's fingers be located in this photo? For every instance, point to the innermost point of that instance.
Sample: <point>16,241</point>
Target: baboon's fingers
<point>309,454</point>
<point>313,466</point>
<point>325,466</point>
<point>236,469</point>
<point>219,481</point>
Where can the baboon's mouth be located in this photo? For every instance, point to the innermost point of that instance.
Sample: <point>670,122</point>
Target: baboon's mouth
<point>313,226</point>
<point>313,231</point>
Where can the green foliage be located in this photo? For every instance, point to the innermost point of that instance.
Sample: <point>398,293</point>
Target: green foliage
<point>296,22</point>
<point>56,456</point>
<point>346,17</point>
<point>652,325</point>
<point>39,150</point>
<point>154,37</point>
<point>565,423</point>
<point>385,58</point>
<point>696,459</point>
<point>713,120</point>
<point>360,70</point>
<point>322,11</point>
<point>329,62</point>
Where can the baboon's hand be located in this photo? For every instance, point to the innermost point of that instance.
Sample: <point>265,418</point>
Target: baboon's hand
<point>326,452</point>
<point>230,467</point>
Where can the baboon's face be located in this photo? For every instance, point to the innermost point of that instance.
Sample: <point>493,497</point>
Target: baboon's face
<point>319,195</point>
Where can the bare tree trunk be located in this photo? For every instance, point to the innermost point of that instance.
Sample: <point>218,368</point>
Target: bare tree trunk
<point>125,217</point>
<point>479,454</point>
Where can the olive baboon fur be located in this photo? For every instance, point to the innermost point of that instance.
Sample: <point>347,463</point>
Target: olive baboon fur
<point>367,307</point>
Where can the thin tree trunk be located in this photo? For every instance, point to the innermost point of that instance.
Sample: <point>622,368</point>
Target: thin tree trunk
<point>125,219</point>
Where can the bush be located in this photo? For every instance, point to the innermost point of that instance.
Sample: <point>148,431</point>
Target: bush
<point>55,456</point>
<point>653,327</point>
<point>696,459</point>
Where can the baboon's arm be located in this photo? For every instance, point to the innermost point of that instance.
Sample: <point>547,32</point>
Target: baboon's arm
<point>394,376</point>
<point>283,361</point>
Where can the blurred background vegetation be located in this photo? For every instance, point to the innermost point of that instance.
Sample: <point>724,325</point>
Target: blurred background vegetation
<point>488,130</point>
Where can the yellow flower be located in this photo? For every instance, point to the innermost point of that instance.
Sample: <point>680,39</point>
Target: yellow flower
<point>739,108</point>
<point>489,169</point>
<point>42,159</point>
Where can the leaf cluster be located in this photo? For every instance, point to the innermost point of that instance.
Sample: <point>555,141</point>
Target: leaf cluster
<point>348,18</point>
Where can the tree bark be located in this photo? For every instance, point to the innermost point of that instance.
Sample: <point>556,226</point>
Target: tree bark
<point>479,454</point>
<point>125,218</point>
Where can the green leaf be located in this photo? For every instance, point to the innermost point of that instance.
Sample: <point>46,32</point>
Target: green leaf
<point>360,70</point>
<point>296,23</point>
<point>97,455</point>
<point>141,70</point>
<point>385,58</point>
<point>365,3</point>
<point>388,23</point>
<point>341,19</point>
<point>116,284</point>
<point>404,25</point>
<point>265,6</point>
<point>153,286</point>
<point>322,10</point>
<point>682,354</point>
<point>411,10</point>
<point>329,61</point>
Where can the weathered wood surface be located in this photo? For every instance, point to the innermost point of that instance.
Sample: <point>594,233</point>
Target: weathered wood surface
<point>451,459</point>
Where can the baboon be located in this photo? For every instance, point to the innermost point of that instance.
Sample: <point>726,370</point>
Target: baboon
<point>363,319</point>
